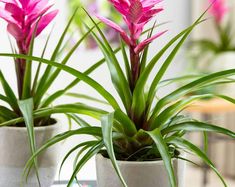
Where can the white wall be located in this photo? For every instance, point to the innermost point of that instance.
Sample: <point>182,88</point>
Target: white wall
<point>176,11</point>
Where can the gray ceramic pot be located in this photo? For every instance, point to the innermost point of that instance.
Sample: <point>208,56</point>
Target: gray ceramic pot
<point>137,174</point>
<point>15,152</point>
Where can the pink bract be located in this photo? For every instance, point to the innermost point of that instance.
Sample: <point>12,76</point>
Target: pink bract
<point>218,9</point>
<point>22,17</point>
<point>136,14</point>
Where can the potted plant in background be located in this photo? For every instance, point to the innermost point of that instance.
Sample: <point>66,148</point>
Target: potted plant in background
<point>216,53</point>
<point>25,117</point>
<point>24,25</point>
<point>141,143</point>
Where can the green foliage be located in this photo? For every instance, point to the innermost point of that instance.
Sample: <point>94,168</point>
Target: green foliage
<point>33,106</point>
<point>146,128</point>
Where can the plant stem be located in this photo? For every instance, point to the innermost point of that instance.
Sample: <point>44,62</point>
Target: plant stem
<point>135,72</point>
<point>20,65</point>
<point>135,66</point>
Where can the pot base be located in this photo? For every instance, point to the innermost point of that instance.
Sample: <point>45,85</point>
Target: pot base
<point>14,142</point>
<point>137,174</point>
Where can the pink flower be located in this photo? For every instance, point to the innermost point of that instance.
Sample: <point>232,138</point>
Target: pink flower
<point>22,17</point>
<point>136,14</point>
<point>218,9</point>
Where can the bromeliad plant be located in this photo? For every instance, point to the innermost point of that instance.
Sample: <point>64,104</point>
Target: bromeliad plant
<point>224,41</point>
<point>32,106</point>
<point>144,126</point>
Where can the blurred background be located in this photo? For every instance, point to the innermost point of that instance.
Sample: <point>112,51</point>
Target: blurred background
<point>179,14</point>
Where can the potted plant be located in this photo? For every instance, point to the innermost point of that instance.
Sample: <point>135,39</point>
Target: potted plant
<point>141,143</point>
<point>26,121</point>
<point>214,54</point>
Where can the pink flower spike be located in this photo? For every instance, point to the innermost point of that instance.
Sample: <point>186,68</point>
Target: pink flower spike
<point>144,43</point>
<point>22,16</point>
<point>136,14</point>
<point>218,10</point>
<point>15,31</point>
<point>115,27</point>
<point>7,16</point>
<point>43,22</point>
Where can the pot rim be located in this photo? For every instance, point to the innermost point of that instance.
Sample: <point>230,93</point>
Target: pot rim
<point>100,156</point>
<point>42,128</point>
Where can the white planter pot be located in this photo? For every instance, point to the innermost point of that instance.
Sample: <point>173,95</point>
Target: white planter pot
<point>15,152</point>
<point>137,174</point>
<point>220,62</point>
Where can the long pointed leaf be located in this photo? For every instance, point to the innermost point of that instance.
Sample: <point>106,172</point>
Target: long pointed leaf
<point>26,108</point>
<point>198,127</point>
<point>72,150</point>
<point>55,74</point>
<point>162,147</point>
<point>94,150</point>
<point>55,52</point>
<point>75,73</point>
<point>26,91</point>
<point>107,124</point>
<point>93,131</point>
<point>9,92</point>
<point>59,93</point>
<point>117,74</point>
<point>139,103</point>
<point>199,153</point>
<point>206,80</point>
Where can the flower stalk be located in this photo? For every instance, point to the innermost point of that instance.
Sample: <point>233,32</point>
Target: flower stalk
<point>135,66</point>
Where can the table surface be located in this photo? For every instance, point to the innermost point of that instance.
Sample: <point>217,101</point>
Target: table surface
<point>211,106</point>
<point>82,184</point>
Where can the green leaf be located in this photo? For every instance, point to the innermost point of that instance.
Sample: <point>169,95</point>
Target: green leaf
<point>173,109</point>
<point>74,149</point>
<point>26,108</point>
<point>79,120</point>
<point>93,151</point>
<point>107,125</point>
<point>6,100</point>
<point>127,124</point>
<point>192,126</point>
<point>126,62</point>
<point>47,72</point>
<point>36,77</point>
<point>62,109</point>
<point>93,131</point>
<point>60,93</point>
<point>55,74</point>
<point>186,144</point>
<point>205,140</point>
<point>139,100</point>
<point>9,92</point>
<point>145,53</point>
<point>117,75</point>
<point>75,73</point>
<point>192,86</point>
<point>26,91</point>
<point>163,149</point>
<point>6,114</point>
<point>86,97</point>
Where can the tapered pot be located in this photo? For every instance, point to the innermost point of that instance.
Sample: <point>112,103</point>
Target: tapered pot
<point>137,174</point>
<point>15,152</point>
<point>223,61</point>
